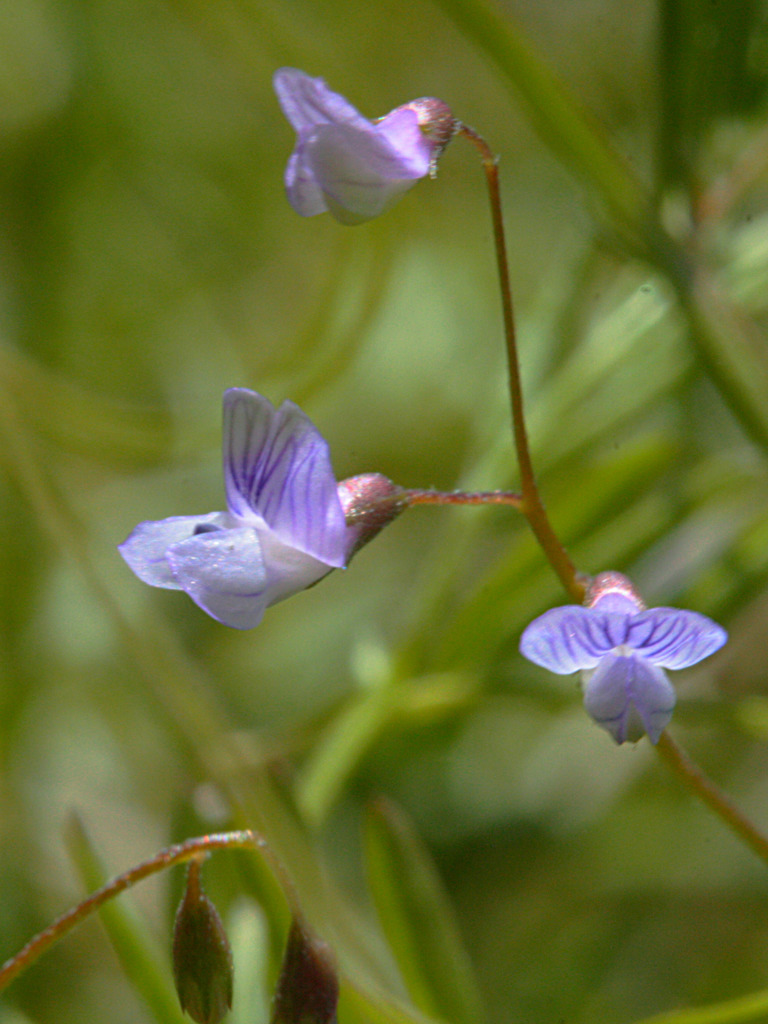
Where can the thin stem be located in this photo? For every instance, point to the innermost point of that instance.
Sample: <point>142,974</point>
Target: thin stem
<point>695,779</point>
<point>191,849</point>
<point>429,497</point>
<point>533,509</point>
<point>532,505</point>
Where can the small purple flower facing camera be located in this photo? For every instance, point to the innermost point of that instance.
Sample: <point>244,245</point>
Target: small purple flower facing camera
<point>622,649</point>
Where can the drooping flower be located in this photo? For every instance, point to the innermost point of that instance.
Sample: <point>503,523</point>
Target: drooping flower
<point>287,522</point>
<point>622,649</point>
<point>347,165</point>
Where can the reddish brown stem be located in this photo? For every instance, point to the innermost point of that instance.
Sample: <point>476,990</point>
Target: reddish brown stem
<point>429,497</point>
<point>532,505</point>
<point>190,850</point>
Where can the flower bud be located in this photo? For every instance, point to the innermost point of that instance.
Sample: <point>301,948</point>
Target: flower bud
<point>202,958</point>
<point>370,502</point>
<point>436,120</point>
<point>613,590</point>
<point>308,987</point>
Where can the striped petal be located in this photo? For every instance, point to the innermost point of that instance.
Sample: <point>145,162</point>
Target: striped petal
<point>277,471</point>
<point>570,638</point>
<point>673,638</point>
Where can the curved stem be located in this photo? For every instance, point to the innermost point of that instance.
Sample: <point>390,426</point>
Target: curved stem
<point>191,849</point>
<point>532,505</point>
<point>694,778</point>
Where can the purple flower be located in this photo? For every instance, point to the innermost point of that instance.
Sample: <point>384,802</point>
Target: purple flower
<point>347,165</point>
<point>286,523</point>
<point>622,649</point>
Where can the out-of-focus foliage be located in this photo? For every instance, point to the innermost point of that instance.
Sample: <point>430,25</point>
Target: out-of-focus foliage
<point>149,260</point>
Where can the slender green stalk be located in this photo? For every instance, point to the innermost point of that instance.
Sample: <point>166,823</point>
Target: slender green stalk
<point>532,506</point>
<point>178,854</point>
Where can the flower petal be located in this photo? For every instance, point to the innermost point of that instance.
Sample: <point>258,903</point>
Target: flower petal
<point>674,638</point>
<point>277,470</point>
<point>629,696</point>
<point>308,102</point>
<point>145,550</point>
<point>405,136</point>
<point>224,573</point>
<point>304,194</point>
<point>570,638</point>
<point>359,173</point>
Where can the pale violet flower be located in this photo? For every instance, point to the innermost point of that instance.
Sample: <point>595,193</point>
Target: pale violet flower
<point>347,165</point>
<point>622,649</point>
<point>288,523</point>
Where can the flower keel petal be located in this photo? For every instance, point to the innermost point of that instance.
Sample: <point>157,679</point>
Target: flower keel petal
<point>304,194</point>
<point>628,697</point>
<point>146,548</point>
<point>224,573</point>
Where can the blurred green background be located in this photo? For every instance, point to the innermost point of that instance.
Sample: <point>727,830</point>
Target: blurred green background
<point>149,259</point>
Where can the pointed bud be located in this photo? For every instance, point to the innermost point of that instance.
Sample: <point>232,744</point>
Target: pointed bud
<point>370,502</point>
<point>202,958</point>
<point>308,987</point>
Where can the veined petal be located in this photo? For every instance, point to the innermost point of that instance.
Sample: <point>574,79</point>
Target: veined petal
<point>673,638</point>
<point>570,638</point>
<point>308,102</point>
<point>629,696</point>
<point>224,573</point>
<point>146,549</point>
<point>277,469</point>
<point>360,174</point>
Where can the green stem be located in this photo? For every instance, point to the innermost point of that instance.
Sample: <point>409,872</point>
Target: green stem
<point>178,854</point>
<point>532,506</point>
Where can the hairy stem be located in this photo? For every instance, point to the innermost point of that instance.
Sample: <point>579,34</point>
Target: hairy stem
<point>191,849</point>
<point>429,497</point>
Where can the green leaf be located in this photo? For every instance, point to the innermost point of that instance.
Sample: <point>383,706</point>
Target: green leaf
<point>753,1007</point>
<point>418,920</point>
<point>145,965</point>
